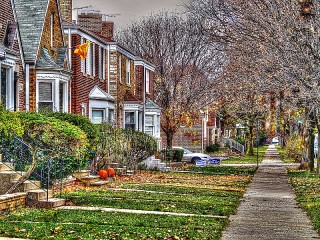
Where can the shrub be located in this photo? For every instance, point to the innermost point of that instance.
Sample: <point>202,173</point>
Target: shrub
<point>127,147</point>
<point>213,148</point>
<point>82,122</point>
<point>49,139</point>
<point>295,148</point>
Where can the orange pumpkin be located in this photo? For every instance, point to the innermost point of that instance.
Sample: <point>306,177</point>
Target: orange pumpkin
<point>103,174</point>
<point>111,172</point>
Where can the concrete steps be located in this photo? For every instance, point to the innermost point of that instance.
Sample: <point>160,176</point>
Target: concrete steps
<point>38,198</point>
<point>28,193</point>
<point>90,180</point>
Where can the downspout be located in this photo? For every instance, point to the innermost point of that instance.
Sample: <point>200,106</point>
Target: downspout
<point>27,87</point>
<point>144,100</point>
<point>70,64</point>
<point>108,69</point>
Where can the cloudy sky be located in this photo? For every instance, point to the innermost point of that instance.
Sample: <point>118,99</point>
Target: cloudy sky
<point>128,10</point>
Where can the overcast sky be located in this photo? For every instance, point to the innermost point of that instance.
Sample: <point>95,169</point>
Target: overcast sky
<point>129,10</point>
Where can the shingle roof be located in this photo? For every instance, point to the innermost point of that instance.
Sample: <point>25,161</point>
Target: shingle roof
<point>62,50</point>
<point>30,18</point>
<point>46,60</point>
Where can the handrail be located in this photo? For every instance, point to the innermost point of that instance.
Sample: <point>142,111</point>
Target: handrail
<point>233,144</point>
<point>17,156</point>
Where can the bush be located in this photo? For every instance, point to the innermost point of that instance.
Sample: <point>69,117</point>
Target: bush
<point>49,139</point>
<point>295,148</point>
<point>127,147</point>
<point>82,122</point>
<point>213,148</point>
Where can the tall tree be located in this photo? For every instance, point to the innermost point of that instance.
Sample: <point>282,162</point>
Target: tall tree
<point>186,65</point>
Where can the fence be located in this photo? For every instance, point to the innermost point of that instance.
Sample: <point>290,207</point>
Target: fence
<point>233,144</point>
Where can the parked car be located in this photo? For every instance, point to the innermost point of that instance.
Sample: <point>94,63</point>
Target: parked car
<point>275,140</point>
<point>192,157</point>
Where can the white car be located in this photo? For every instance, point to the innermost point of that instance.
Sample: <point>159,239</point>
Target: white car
<point>192,157</point>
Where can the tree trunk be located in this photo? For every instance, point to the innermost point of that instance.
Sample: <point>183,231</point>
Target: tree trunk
<point>318,157</point>
<point>250,140</point>
<point>25,177</point>
<point>169,135</point>
<point>310,142</point>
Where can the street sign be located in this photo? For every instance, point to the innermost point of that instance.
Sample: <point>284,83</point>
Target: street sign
<point>214,161</point>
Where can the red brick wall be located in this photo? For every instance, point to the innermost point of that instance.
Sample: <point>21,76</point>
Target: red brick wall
<point>107,30</point>
<point>82,83</point>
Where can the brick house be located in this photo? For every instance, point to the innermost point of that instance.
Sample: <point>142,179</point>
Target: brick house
<point>46,71</point>
<point>11,70</point>
<point>112,84</point>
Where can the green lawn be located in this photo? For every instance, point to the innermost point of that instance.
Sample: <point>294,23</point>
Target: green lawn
<point>76,224</point>
<point>249,159</point>
<point>205,194</point>
<point>307,188</point>
<point>284,155</point>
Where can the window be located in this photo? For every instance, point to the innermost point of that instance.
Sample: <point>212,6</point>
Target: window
<point>10,34</point>
<point>90,60</point>
<point>102,64</point>
<point>120,68</point>
<point>3,86</point>
<point>51,29</point>
<point>83,109</point>
<point>111,116</point>
<point>45,96</point>
<point>128,71</point>
<point>97,116</point>
<point>149,125</point>
<point>147,81</point>
<point>129,120</point>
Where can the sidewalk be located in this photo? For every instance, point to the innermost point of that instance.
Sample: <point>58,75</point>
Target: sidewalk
<point>269,209</point>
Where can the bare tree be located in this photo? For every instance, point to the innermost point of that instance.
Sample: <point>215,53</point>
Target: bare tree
<point>186,65</point>
<point>280,40</point>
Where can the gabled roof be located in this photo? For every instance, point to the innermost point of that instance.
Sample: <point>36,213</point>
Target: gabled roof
<point>30,17</point>
<point>98,93</point>
<point>129,97</point>
<point>151,105</point>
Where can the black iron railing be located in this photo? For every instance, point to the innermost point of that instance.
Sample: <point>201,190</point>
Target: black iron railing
<point>17,155</point>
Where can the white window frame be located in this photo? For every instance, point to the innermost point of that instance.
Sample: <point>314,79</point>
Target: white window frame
<point>51,29</point>
<point>102,66</point>
<point>128,66</point>
<point>134,119</point>
<point>52,97</point>
<point>120,68</point>
<point>103,114</point>
<point>153,124</point>
<point>147,81</point>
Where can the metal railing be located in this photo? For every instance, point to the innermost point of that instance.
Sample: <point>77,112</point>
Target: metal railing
<point>233,144</point>
<point>16,154</point>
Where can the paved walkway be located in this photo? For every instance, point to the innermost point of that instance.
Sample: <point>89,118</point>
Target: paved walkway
<point>269,209</point>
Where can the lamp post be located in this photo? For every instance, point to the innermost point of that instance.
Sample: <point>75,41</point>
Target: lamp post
<point>202,122</point>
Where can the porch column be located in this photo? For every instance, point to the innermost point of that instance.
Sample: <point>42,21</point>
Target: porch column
<point>56,95</point>
<point>10,94</point>
<point>136,120</point>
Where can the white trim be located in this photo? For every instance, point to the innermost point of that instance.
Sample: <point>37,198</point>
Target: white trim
<point>142,63</point>
<point>70,48</point>
<point>108,69</point>
<point>56,96</point>
<point>27,87</point>
<point>93,59</point>
<point>51,29</point>
<point>82,61</point>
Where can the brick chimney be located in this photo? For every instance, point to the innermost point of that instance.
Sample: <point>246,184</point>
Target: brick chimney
<point>91,21</point>
<point>66,10</point>
<point>107,30</point>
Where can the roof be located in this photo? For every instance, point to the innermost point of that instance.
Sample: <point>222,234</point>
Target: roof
<point>129,97</point>
<point>98,93</point>
<point>30,17</point>
<point>46,60</point>
<point>151,105</point>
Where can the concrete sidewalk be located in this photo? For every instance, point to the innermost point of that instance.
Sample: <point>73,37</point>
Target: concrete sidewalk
<point>269,209</point>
